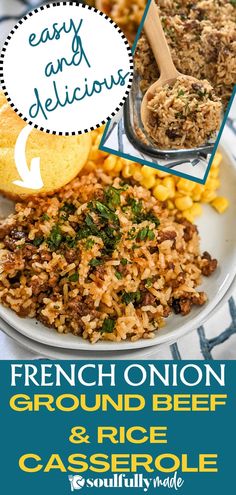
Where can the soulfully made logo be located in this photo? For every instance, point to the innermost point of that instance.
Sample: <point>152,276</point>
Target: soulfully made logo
<point>137,481</point>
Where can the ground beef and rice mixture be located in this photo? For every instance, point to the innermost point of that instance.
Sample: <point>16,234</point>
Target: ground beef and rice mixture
<point>102,259</point>
<point>202,38</point>
<point>185,114</point>
<point>201,35</point>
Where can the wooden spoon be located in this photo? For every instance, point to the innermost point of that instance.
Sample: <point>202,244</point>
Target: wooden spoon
<point>168,72</point>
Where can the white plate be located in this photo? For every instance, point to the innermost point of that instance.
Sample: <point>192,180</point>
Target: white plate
<point>136,354</point>
<point>218,236</point>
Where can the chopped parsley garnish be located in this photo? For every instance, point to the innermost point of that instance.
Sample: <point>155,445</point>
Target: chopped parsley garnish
<point>55,238</point>
<point>74,277</point>
<point>83,232</point>
<point>124,261</point>
<point>145,234</point>
<point>45,217</point>
<point>108,325</point>
<point>89,244</point>
<point>103,211</point>
<point>131,234</point>
<point>151,235</point>
<point>113,196</point>
<point>202,93</point>
<point>95,262</point>
<point>139,215</point>
<point>148,283</point>
<point>70,241</point>
<point>181,93</point>
<point>150,217</point>
<point>131,297</point>
<point>68,208</point>
<point>136,207</point>
<point>108,234</point>
<point>118,275</point>
<point>110,240</point>
<point>106,225</point>
<point>38,241</point>
<point>90,223</point>
<point>180,115</point>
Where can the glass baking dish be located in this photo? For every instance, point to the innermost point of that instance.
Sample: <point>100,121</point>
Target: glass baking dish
<point>138,137</point>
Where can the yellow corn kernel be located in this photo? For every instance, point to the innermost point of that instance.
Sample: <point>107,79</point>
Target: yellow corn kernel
<point>212,184</point>
<point>97,132</point>
<point>208,196</point>
<point>161,192</point>
<point>196,210</point>
<point>220,204</point>
<point>118,166</point>
<point>188,215</point>
<point>148,171</point>
<point>170,205</point>
<point>138,175</point>
<point>90,166</point>
<point>197,192</point>
<point>158,181</point>
<point>217,160</point>
<point>110,163</point>
<point>170,184</point>
<point>185,185</point>
<point>126,171</point>
<point>183,203</point>
<point>126,162</point>
<point>136,168</point>
<point>94,135</point>
<point>178,194</point>
<point>93,155</point>
<point>169,181</point>
<point>161,173</point>
<point>98,140</point>
<point>148,182</point>
<point>129,168</point>
<point>214,173</point>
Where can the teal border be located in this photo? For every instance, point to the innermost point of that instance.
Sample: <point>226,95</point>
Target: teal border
<point>162,167</point>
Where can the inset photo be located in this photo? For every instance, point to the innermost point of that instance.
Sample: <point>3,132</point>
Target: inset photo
<point>185,72</point>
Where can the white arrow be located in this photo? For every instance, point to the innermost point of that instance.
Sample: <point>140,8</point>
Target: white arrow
<point>30,177</point>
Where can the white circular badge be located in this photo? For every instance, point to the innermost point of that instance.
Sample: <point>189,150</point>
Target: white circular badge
<point>66,68</point>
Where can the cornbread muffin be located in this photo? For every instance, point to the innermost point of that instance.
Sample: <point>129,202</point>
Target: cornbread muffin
<point>61,158</point>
